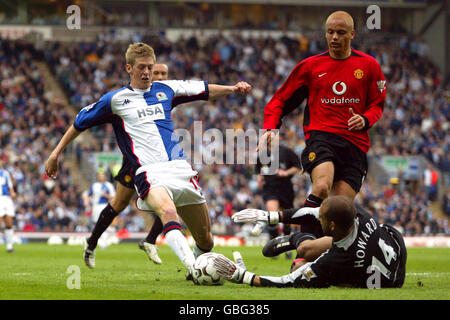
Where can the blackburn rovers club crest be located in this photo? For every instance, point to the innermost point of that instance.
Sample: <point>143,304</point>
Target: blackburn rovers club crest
<point>358,74</point>
<point>311,156</point>
<point>161,96</point>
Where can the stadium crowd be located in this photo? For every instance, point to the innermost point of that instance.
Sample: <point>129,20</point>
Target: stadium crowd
<point>415,122</point>
<point>31,121</point>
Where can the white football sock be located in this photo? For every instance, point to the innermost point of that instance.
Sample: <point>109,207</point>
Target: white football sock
<point>9,233</point>
<point>180,246</point>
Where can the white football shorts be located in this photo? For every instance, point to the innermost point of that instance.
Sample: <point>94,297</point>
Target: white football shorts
<point>6,206</point>
<point>177,176</point>
<point>97,210</point>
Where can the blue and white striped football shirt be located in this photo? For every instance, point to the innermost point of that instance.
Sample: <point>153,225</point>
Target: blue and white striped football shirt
<point>141,118</point>
<point>5,183</point>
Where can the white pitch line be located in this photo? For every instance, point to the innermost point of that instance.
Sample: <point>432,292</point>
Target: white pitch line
<point>21,274</point>
<point>428,274</point>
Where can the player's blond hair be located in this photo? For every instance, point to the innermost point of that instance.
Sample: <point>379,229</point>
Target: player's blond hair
<point>139,50</point>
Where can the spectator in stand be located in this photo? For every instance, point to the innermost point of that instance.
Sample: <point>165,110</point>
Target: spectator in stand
<point>415,122</point>
<point>26,134</point>
<point>406,130</point>
<point>430,182</point>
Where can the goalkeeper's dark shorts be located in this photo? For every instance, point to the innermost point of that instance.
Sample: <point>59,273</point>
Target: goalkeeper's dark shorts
<point>126,174</point>
<point>350,162</point>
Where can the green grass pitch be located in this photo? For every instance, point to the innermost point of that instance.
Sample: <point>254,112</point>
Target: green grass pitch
<point>40,271</point>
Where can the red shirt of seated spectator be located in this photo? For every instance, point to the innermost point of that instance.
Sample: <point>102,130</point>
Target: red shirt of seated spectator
<point>28,227</point>
<point>228,208</point>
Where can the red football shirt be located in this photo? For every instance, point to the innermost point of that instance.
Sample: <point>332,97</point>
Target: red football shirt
<point>331,88</point>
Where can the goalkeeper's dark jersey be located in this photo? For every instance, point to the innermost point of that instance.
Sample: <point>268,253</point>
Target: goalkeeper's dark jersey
<point>371,255</point>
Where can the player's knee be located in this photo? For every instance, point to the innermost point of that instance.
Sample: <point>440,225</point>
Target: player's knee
<point>168,212</point>
<point>119,204</point>
<point>119,207</point>
<point>8,221</point>
<point>321,189</point>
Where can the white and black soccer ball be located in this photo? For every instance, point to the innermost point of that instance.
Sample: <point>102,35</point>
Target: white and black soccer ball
<point>204,273</point>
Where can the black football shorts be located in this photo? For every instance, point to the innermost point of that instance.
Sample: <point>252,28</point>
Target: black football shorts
<point>350,162</point>
<point>284,194</point>
<point>126,174</point>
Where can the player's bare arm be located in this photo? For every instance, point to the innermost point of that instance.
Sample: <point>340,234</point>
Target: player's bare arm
<point>13,194</point>
<point>12,191</point>
<point>217,91</point>
<point>289,172</point>
<point>51,165</point>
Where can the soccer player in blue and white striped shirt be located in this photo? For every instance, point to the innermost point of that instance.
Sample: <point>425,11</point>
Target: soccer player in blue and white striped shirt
<point>140,115</point>
<point>7,211</point>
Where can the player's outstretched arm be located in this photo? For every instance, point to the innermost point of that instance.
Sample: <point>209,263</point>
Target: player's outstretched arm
<point>217,91</point>
<point>233,272</point>
<point>51,165</point>
<point>262,218</point>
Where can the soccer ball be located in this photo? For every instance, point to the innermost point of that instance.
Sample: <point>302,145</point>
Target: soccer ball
<point>204,273</point>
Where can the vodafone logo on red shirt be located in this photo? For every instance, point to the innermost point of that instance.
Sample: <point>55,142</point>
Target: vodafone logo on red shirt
<point>339,88</point>
<point>341,85</point>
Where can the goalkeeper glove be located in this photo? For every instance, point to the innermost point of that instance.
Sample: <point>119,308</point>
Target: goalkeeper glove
<point>231,271</point>
<point>260,217</point>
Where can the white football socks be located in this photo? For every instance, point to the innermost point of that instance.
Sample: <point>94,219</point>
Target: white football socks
<point>178,243</point>
<point>9,233</point>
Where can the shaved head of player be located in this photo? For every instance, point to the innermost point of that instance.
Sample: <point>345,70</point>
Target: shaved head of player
<point>160,72</point>
<point>339,33</point>
<point>336,216</point>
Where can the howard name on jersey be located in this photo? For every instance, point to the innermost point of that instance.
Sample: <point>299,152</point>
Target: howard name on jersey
<point>141,118</point>
<point>351,261</point>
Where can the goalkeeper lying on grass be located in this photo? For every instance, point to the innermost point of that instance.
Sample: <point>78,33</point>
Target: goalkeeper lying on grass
<point>363,254</point>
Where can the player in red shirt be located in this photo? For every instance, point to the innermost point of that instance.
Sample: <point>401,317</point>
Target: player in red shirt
<point>345,91</point>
